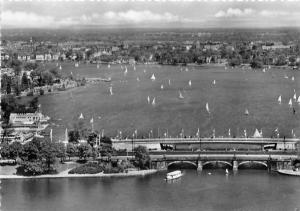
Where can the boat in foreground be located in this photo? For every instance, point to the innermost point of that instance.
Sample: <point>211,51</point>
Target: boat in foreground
<point>289,172</point>
<point>174,175</point>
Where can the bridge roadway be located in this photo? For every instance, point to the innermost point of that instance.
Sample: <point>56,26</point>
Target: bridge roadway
<point>218,155</point>
<point>205,140</point>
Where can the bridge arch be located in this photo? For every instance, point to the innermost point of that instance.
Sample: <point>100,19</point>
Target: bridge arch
<point>184,162</point>
<point>215,163</point>
<point>253,162</point>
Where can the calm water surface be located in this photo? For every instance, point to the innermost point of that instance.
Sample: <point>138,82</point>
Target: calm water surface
<point>245,190</point>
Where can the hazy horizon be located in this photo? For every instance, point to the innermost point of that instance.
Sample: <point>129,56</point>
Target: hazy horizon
<point>137,14</point>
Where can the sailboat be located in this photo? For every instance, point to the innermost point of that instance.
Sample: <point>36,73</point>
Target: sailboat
<point>186,69</point>
<point>108,65</point>
<point>295,97</point>
<point>207,108</point>
<point>180,95</point>
<point>81,116</point>
<point>137,79</point>
<point>148,99</point>
<point>257,134</point>
<point>110,90</point>
<point>125,72</point>
<point>298,101</point>
<point>290,102</point>
<point>153,101</point>
<point>153,77</point>
<point>293,78</point>
<point>60,67</point>
<point>214,82</point>
<point>76,64</point>
<point>161,86</point>
<point>246,112</point>
<point>264,70</point>
<point>169,82</point>
<point>229,132</point>
<point>190,83</point>
<point>279,99</point>
<point>227,172</point>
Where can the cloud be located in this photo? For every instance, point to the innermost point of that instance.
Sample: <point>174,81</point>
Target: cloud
<point>267,13</point>
<point>145,16</point>
<point>234,13</point>
<point>32,20</point>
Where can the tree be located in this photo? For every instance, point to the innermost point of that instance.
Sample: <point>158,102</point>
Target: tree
<point>30,168</point>
<point>71,150</point>
<point>31,151</point>
<point>142,157</point>
<point>4,149</point>
<point>61,151</point>
<point>256,62</point>
<point>74,136</point>
<point>281,60</point>
<point>84,151</point>
<point>24,82</point>
<point>92,138</point>
<point>49,152</point>
<point>15,149</point>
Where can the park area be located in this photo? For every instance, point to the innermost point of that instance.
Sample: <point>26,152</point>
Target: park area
<point>121,106</point>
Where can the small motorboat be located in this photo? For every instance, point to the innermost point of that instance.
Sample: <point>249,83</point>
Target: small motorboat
<point>174,175</point>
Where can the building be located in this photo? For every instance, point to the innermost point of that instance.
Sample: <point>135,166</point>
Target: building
<point>28,121</point>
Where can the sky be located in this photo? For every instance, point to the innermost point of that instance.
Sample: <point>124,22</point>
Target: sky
<point>163,13</point>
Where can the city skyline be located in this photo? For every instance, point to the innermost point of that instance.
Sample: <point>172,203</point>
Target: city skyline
<point>169,14</point>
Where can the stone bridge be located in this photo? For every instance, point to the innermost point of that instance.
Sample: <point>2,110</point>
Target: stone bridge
<point>234,162</point>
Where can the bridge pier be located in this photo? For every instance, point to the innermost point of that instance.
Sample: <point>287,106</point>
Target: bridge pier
<point>235,165</point>
<point>199,165</point>
<point>161,165</point>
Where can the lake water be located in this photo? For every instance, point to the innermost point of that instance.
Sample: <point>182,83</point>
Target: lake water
<point>246,190</point>
<point>127,109</point>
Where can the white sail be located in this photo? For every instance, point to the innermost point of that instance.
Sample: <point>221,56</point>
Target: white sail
<point>229,132</point>
<point>257,134</point>
<point>264,70</point>
<point>153,101</point>
<point>295,96</point>
<point>153,77</point>
<point>180,95</point>
<point>66,136</point>
<point>148,99</point>
<point>246,112</point>
<point>137,79</point>
<point>110,90</point>
<point>298,101</point>
<point>125,72</point>
<point>293,78</point>
<point>190,83</point>
<point>207,108</point>
<point>169,82</point>
<point>81,116</point>
<point>279,99</point>
<point>60,67</point>
<point>108,65</point>
<point>214,82</point>
<point>161,86</point>
<point>186,69</point>
<point>290,102</point>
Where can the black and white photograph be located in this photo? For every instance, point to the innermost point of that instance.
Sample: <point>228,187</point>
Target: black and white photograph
<point>150,105</point>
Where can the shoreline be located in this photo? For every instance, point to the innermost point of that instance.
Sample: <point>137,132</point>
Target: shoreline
<point>65,174</point>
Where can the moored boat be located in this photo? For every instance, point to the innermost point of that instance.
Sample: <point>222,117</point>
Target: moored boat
<point>174,175</point>
<point>290,172</point>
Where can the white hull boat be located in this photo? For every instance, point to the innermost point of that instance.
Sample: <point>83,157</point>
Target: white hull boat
<point>174,175</point>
